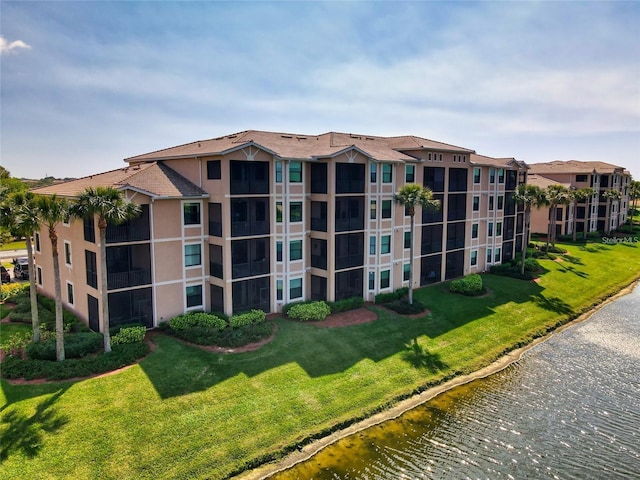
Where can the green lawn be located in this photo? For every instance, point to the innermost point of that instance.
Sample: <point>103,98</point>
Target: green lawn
<point>9,329</point>
<point>19,245</point>
<point>186,413</point>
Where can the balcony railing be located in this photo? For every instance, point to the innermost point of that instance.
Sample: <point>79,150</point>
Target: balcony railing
<point>131,278</point>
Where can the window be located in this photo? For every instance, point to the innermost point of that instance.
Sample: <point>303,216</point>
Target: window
<point>431,239</point>
<point>489,255</point>
<point>386,173</point>
<point>385,243</point>
<point>490,229</point>
<point>295,288</point>
<point>249,177</point>
<point>318,178</point>
<point>278,251</point>
<point>476,203</point>
<point>474,257</point>
<point>581,178</point>
<point>295,172</point>
<point>279,171</point>
<point>37,241</point>
<point>455,235</point>
<point>409,173</point>
<point>490,202</point>
<point>498,229</point>
<point>70,293</point>
<point>192,255</point>
<point>295,212</point>
<point>386,208</point>
<point>279,212</point>
<point>476,175</point>
<point>501,175</point>
<point>349,250</point>
<point>295,250</point>
<point>89,232</point>
<point>253,293</point>
<point>249,216</point>
<point>67,253</point>
<point>194,296</point>
<point>406,271</point>
<point>191,213</point>
<point>457,179</point>
<point>372,280</point>
<point>457,206</point>
<point>39,270</point>
<point>215,219</point>
<point>407,239</point>
<point>213,170</point>
<point>319,216</point>
<point>384,279</point>
<point>474,230</point>
<point>350,213</point>
<point>492,175</point>
<point>279,289</point>
<point>319,253</point>
<point>350,177</point>
<point>372,210</point>
<point>500,202</point>
<point>373,172</point>
<point>91,268</point>
<point>216,265</point>
<point>434,178</point>
<point>496,256</point>
<point>372,245</point>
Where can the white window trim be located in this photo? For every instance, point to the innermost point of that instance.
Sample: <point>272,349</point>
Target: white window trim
<point>184,255</point>
<point>301,286</point>
<point>67,244</point>
<point>192,225</point>
<point>36,240</point>
<point>39,275</point>
<point>195,307</point>
<point>73,293</point>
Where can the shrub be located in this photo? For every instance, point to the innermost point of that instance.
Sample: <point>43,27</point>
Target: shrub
<point>129,335</point>
<point>247,318</point>
<point>305,312</point>
<point>15,344</point>
<point>120,356</point>
<point>75,346</point>
<point>345,304</point>
<point>197,319</point>
<point>229,337</point>
<point>11,292</point>
<point>286,307</point>
<point>403,307</point>
<point>470,285</point>
<point>391,296</point>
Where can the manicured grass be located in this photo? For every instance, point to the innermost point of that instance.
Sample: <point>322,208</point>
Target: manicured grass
<point>186,413</point>
<point>19,245</point>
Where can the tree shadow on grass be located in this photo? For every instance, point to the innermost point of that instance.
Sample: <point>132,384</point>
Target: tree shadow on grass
<point>25,434</point>
<point>419,357</point>
<point>553,304</point>
<point>572,259</point>
<point>594,247</point>
<point>570,269</point>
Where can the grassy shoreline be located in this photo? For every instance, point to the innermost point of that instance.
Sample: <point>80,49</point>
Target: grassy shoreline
<point>185,413</point>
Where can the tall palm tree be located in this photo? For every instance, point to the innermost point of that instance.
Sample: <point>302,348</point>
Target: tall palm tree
<point>51,211</point>
<point>634,195</point>
<point>410,196</point>
<point>610,195</point>
<point>556,194</point>
<point>111,208</point>
<point>579,195</point>
<point>20,215</point>
<point>529,196</point>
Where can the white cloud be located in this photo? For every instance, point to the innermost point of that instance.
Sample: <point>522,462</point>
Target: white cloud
<point>9,47</point>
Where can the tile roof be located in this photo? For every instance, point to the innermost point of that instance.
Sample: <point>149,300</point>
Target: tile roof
<point>306,147</point>
<point>476,159</point>
<point>154,179</point>
<point>542,181</point>
<point>574,166</point>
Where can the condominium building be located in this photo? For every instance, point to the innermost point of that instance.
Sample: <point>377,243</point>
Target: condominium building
<point>260,219</point>
<point>599,212</point>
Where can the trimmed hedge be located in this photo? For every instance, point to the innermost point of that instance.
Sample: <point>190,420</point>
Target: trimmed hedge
<point>403,307</point>
<point>345,304</point>
<point>120,356</point>
<point>197,319</point>
<point>313,311</point>
<point>229,337</point>
<point>249,318</point>
<point>471,285</point>
<point>129,335</point>
<point>391,296</point>
<point>76,345</point>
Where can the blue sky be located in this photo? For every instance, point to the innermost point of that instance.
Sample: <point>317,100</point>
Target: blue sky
<point>86,84</point>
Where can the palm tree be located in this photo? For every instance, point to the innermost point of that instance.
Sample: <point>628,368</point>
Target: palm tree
<point>579,195</point>
<point>111,208</point>
<point>529,196</point>
<point>19,214</point>
<point>410,196</point>
<point>634,194</point>
<point>51,211</point>
<point>556,194</point>
<point>610,195</point>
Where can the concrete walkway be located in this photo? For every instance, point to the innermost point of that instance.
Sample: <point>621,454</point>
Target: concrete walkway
<point>11,254</point>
